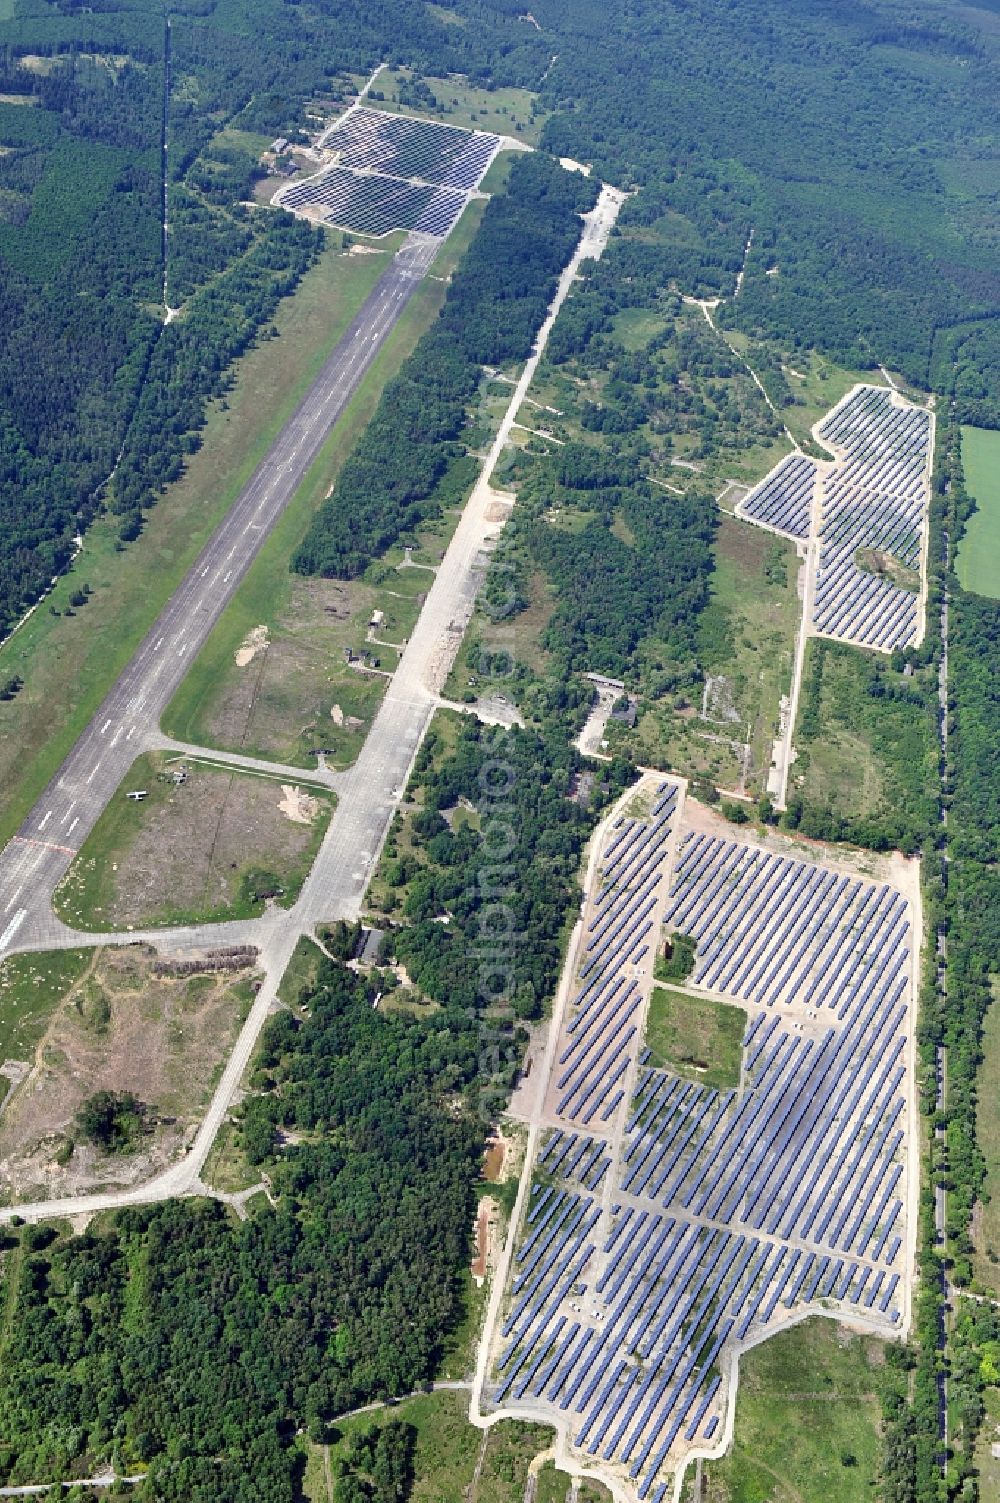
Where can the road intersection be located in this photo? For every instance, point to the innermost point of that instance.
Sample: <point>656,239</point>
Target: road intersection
<point>368,793</point>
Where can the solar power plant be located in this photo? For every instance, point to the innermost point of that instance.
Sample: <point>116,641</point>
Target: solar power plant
<point>783,499</point>
<point>401,146</point>
<point>373,205</point>
<point>393,172</point>
<point>874,498</point>
<point>698,1219</point>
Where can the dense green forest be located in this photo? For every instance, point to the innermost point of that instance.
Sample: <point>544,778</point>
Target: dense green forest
<point>962,904</point>
<point>495,304</point>
<point>504,876</point>
<point>842,155</point>
<point>177,1339</point>
<point>820,126</point>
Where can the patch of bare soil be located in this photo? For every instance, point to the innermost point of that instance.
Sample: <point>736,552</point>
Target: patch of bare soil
<point>121,1027</point>
<point>301,808</point>
<point>484,1256</point>
<point>254,642</point>
<point>702,819</point>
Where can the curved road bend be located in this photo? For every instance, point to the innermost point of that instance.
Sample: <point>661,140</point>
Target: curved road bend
<point>38,855</point>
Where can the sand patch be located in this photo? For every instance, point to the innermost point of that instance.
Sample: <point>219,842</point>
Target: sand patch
<point>255,641</point>
<point>301,808</point>
<point>487,1218</point>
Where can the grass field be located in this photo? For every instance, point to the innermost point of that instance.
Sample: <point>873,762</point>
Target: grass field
<point>447,1451</point>
<point>748,649</point>
<point>243,140</point>
<point>280,704</point>
<point>978,560</point>
<point>190,853</point>
<point>30,987</point>
<point>866,756</point>
<point>507,112</point>
<point>987,1466</point>
<point>807,1422</point>
<point>300,973</point>
<point>986,1220</point>
<point>695,1037</point>
<point>68,663</point>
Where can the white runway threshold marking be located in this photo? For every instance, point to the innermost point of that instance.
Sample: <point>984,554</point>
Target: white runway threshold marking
<point>12,928</point>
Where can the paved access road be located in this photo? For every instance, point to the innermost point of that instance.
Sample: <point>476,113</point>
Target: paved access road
<point>39,854</point>
<point>367,794</point>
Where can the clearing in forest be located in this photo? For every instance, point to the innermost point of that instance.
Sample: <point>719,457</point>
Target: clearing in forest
<point>122,1020</point>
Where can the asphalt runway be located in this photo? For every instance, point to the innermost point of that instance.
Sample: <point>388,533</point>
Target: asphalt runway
<point>37,857</point>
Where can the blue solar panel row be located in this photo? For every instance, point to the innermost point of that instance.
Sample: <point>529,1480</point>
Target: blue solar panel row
<point>873,519</point>
<point>726,1209</point>
<point>783,499</point>
<point>603,1037</point>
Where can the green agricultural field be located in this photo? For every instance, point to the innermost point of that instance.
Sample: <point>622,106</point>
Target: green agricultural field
<point>69,659</point>
<point>213,847</point>
<point>695,1037</point>
<point>807,1422</point>
<point>978,560</point>
<point>30,987</point>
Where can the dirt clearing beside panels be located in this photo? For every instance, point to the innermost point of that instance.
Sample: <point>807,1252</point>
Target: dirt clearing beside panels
<point>122,1023</point>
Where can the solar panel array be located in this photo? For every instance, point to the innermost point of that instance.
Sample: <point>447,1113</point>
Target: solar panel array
<point>874,498</point>
<point>373,205</point>
<point>603,1032</point>
<point>783,499</point>
<point>393,172</point>
<point>401,146</point>
<point>725,1210</point>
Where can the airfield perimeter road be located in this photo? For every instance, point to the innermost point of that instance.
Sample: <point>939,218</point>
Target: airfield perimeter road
<point>38,855</point>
